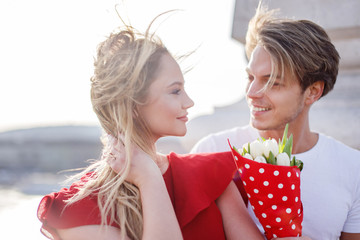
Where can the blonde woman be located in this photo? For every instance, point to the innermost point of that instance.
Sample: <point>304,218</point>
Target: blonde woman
<point>138,95</point>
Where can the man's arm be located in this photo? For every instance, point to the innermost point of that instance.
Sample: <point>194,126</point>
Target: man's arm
<point>350,236</point>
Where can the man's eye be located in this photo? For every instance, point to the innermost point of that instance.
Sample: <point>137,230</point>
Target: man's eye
<point>276,84</point>
<point>250,78</point>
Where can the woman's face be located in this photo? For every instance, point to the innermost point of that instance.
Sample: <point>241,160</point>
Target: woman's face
<point>165,111</point>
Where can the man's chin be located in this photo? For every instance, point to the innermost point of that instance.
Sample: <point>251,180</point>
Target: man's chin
<point>260,126</point>
<point>257,125</point>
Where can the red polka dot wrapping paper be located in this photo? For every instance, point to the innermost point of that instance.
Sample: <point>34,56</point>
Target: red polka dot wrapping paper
<point>274,194</point>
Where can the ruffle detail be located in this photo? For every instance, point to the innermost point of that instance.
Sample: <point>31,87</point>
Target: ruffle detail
<point>198,180</point>
<point>54,214</point>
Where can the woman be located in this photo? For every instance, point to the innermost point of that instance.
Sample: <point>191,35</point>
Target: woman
<point>138,95</point>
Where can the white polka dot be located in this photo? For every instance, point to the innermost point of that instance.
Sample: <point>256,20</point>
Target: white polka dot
<point>252,178</point>
<point>280,185</point>
<point>261,203</point>
<point>266,183</point>
<point>276,173</point>
<point>263,215</point>
<point>296,199</point>
<point>284,198</point>
<point>278,219</point>
<point>236,158</point>
<point>256,191</point>
<point>289,174</point>
<point>247,166</point>
<point>270,195</point>
<point>240,170</point>
<point>297,174</point>
<point>274,235</point>
<point>253,207</point>
<point>280,229</point>
<point>293,187</point>
<point>299,211</point>
<point>261,170</point>
<point>268,226</point>
<point>244,183</point>
<point>274,207</point>
<point>293,226</point>
<point>288,210</point>
<point>248,195</point>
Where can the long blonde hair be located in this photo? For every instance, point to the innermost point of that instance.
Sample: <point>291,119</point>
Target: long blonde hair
<point>125,66</point>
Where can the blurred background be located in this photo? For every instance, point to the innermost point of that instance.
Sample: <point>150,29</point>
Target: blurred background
<point>47,49</point>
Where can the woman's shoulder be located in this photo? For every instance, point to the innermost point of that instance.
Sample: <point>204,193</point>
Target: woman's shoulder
<point>203,163</point>
<point>198,180</point>
<point>55,213</point>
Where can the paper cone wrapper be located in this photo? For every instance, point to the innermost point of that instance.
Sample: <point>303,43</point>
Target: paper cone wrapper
<point>274,194</point>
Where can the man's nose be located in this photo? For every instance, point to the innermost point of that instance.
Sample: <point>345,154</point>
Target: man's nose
<point>255,89</point>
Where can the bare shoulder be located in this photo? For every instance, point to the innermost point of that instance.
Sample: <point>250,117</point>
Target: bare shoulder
<point>95,232</point>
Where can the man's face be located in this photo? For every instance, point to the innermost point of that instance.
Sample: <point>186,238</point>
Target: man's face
<point>282,103</point>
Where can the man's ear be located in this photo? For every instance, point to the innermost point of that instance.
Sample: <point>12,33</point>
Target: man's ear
<point>314,92</point>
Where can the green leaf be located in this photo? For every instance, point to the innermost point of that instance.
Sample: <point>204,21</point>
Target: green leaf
<point>288,146</point>
<point>292,163</point>
<point>271,158</point>
<point>236,149</point>
<point>284,139</point>
<point>299,164</point>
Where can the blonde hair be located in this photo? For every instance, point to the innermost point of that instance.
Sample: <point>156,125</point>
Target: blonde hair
<point>125,66</point>
<point>300,47</point>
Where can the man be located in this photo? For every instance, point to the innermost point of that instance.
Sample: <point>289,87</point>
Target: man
<point>292,65</point>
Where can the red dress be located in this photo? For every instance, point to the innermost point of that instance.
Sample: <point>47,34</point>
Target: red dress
<point>194,182</point>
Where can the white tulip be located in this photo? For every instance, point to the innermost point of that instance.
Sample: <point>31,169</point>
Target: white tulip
<point>256,148</point>
<point>271,145</point>
<point>248,156</point>
<point>283,159</point>
<point>260,159</point>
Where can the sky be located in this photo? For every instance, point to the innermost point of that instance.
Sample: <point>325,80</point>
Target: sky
<point>47,50</point>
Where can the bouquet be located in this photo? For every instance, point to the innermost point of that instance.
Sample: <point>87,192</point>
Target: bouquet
<point>271,179</point>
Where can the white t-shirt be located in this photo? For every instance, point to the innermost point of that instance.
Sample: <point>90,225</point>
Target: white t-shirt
<point>330,182</point>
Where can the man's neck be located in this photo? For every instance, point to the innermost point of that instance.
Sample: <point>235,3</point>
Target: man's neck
<point>303,138</point>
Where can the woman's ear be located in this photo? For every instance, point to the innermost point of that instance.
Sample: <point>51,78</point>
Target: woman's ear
<point>314,92</point>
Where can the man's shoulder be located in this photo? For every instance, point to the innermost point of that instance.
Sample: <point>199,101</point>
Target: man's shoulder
<point>218,141</point>
<point>232,133</point>
<point>337,147</point>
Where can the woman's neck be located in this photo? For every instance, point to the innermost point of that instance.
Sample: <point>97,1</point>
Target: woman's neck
<point>162,162</point>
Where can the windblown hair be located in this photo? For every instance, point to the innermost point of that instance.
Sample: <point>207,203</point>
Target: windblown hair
<point>125,66</point>
<point>300,47</point>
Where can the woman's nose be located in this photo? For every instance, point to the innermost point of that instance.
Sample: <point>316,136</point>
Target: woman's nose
<point>188,103</point>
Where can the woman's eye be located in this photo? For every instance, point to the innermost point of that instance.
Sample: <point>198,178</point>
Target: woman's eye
<point>176,91</point>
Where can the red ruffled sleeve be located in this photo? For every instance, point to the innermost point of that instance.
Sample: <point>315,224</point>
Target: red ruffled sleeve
<point>197,181</point>
<point>54,215</point>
